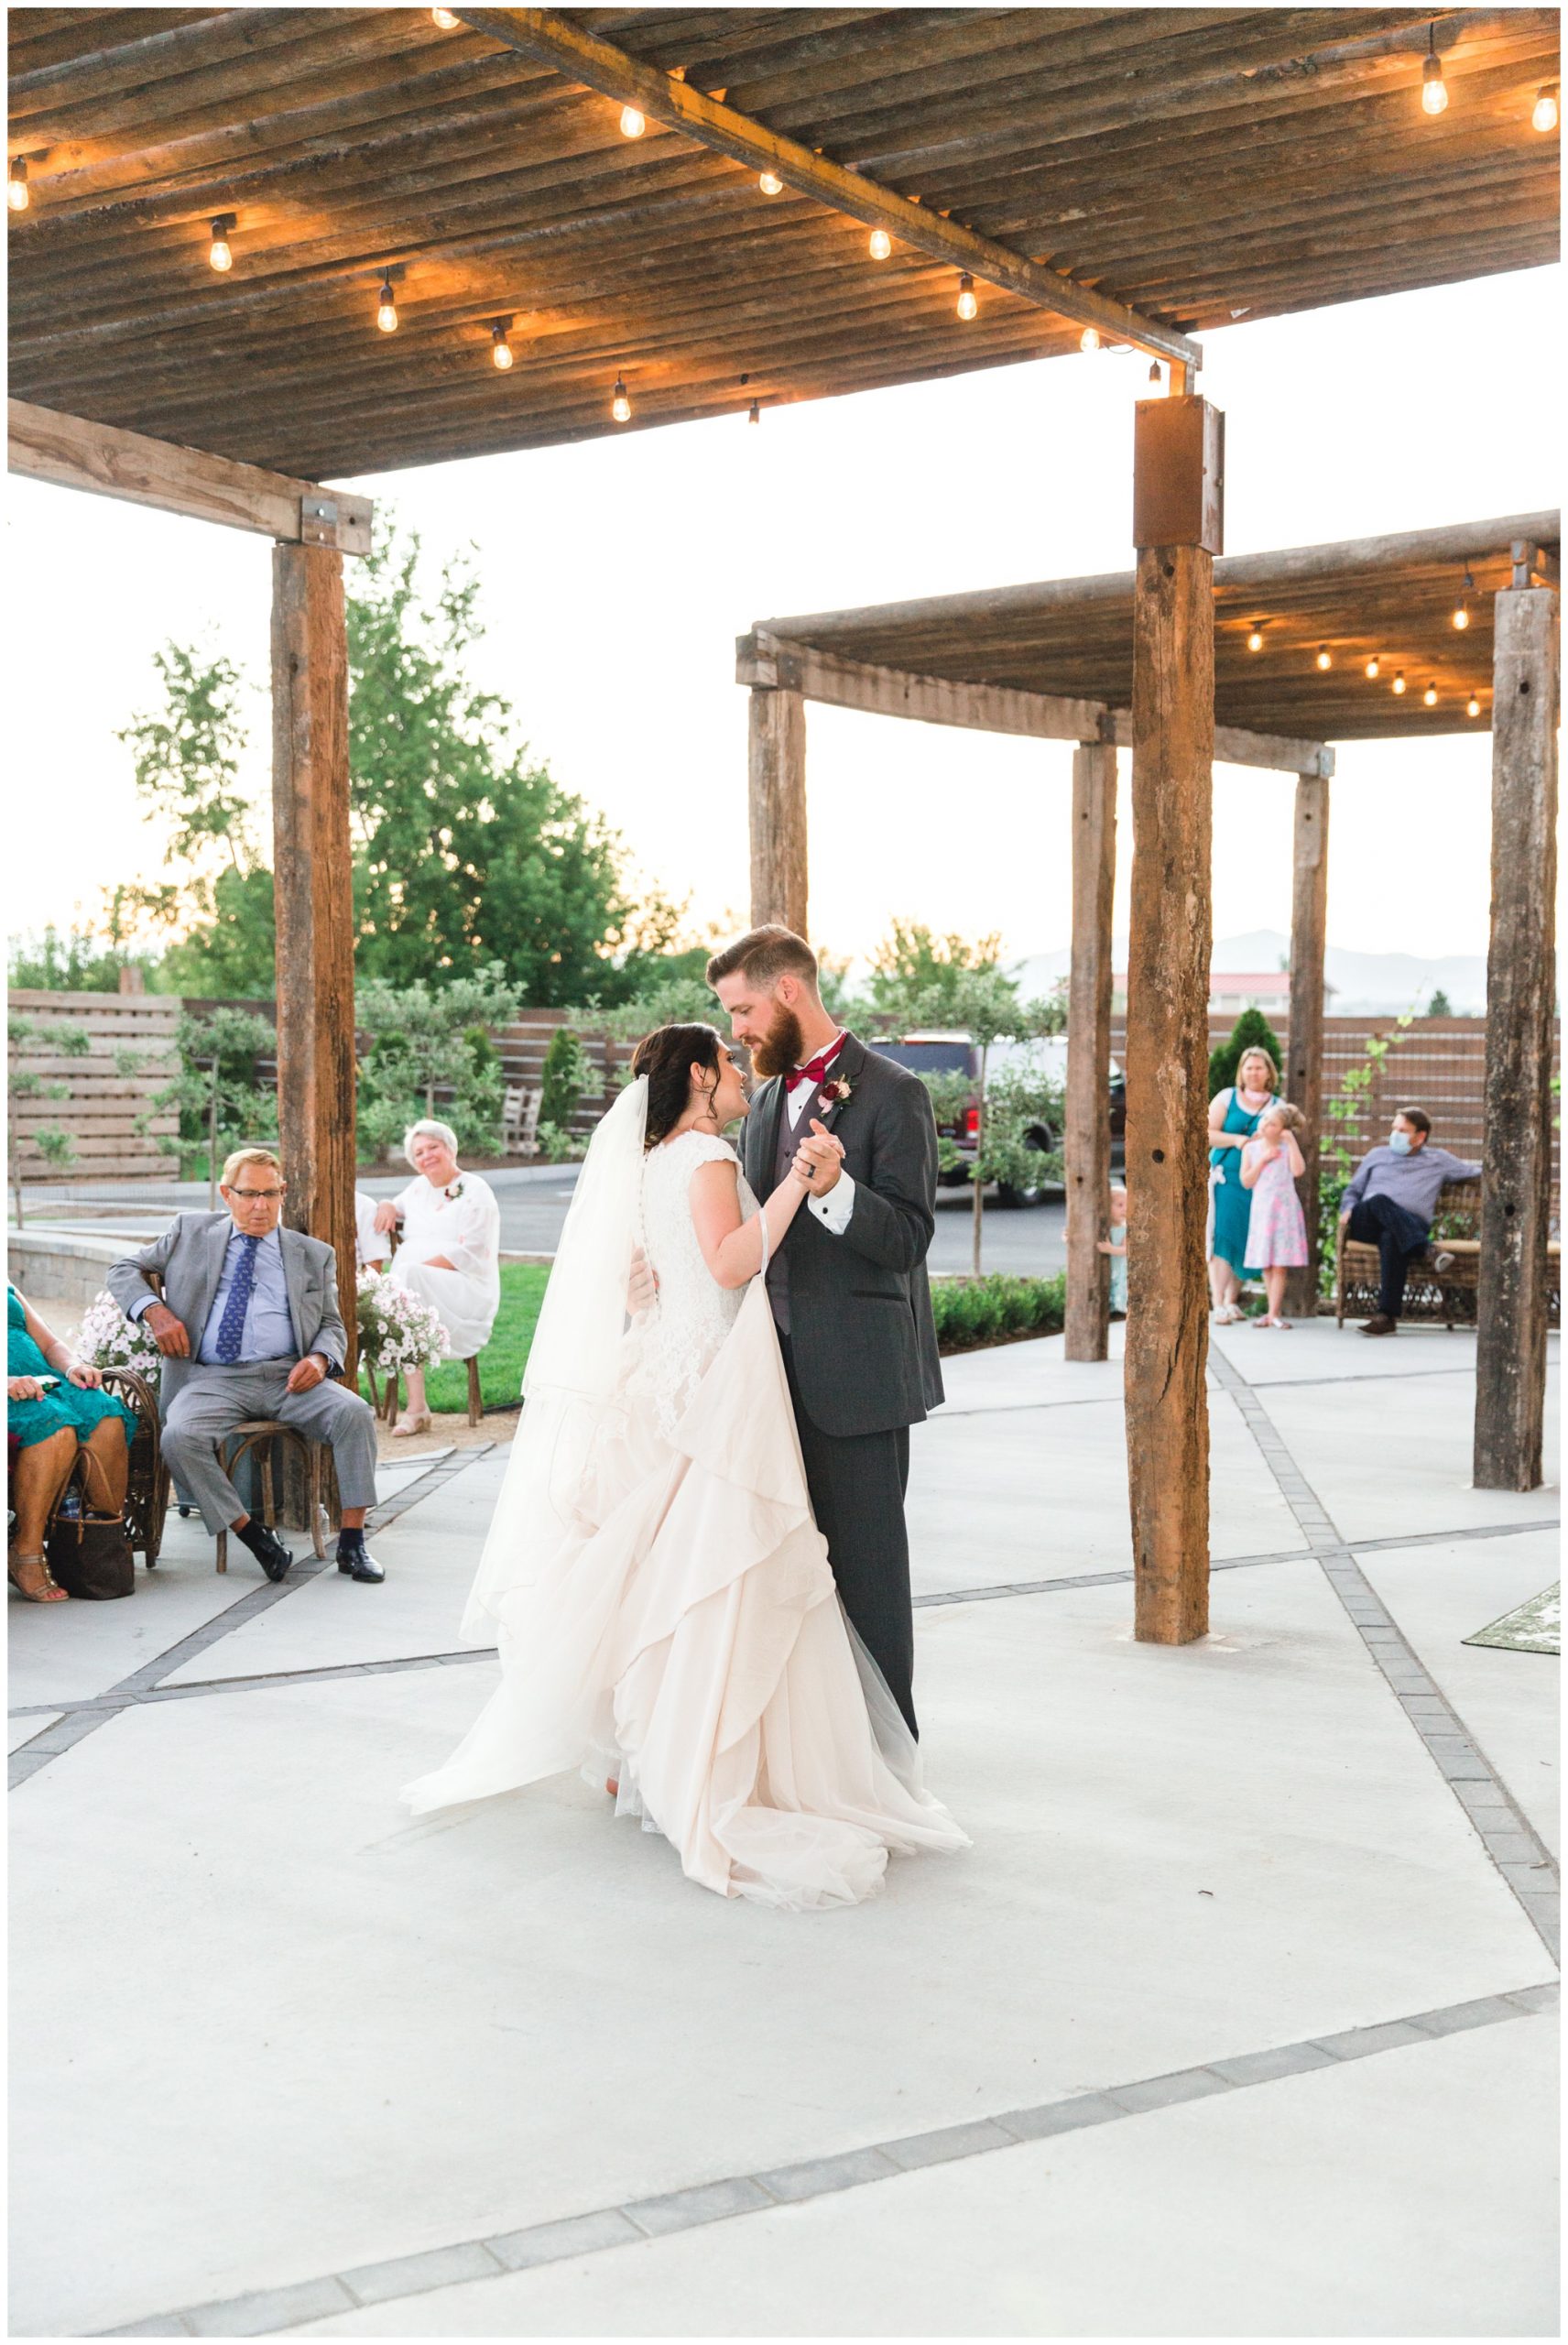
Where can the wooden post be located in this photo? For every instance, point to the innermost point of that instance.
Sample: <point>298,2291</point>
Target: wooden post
<point>1088,1134</point>
<point>314,893</point>
<point>1303,1085</point>
<point>1176,527</point>
<point>1510,1354</point>
<point>776,772</point>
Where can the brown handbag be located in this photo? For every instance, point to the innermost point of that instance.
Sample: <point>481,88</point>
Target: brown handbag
<point>91,1556</point>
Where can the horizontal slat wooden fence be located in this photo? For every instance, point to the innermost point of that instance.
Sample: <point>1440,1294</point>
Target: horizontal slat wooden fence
<point>130,1056</point>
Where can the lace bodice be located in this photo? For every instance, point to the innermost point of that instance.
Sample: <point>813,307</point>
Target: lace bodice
<point>695,1312</point>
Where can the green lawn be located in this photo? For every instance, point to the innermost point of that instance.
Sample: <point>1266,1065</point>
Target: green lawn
<point>502,1361</point>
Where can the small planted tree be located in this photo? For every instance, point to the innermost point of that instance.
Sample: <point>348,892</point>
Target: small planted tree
<point>1251,1031</point>
<point>56,1039</point>
<point>221,1105</point>
<point>424,1042</point>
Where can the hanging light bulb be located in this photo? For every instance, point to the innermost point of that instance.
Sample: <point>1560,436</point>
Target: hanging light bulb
<point>770,183</point>
<point>218,251</point>
<point>1372,667</point>
<point>1089,338</point>
<point>445,19</point>
<point>881,243</point>
<point>968,307</point>
<point>1462,609</point>
<point>633,124</point>
<point>620,404</point>
<point>1325,657</point>
<point>1156,380</point>
<point>1473,706</point>
<point>1543,115</point>
<point>1434,89</point>
<point>1399,682</point>
<point>16,184</point>
<point>387,308</point>
<point>1255,639</point>
<point>500,348</point>
<point>754,414</point>
<point>1429,695</point>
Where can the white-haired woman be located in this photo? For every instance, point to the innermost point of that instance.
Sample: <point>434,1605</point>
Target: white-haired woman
<point>450,1251</point>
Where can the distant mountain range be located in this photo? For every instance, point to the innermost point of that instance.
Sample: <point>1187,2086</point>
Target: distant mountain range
<point>1381,983</point>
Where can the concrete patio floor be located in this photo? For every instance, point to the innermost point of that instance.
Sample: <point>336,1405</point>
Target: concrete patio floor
<point>1237,2019</point>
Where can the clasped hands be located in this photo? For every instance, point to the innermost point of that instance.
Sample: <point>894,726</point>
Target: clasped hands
<point>818,1160</point>
<point>173,1341</point>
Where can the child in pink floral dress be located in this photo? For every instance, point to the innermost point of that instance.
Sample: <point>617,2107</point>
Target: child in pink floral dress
<point>1271,1164</point>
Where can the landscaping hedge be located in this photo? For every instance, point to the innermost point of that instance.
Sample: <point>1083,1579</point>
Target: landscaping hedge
<point>973,1311</point>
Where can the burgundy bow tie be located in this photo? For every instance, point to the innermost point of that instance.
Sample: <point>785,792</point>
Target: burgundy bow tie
<point>814,1069</point>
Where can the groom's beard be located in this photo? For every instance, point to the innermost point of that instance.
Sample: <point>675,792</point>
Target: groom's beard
<point>783,1046</point>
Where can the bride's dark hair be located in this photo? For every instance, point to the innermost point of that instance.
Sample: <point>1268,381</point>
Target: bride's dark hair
<point>667,1057</point>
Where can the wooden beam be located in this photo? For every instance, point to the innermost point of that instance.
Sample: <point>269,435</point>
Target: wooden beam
<point>762,657</point>
<point>1516,1189</point>
<point>1087,1143</point>
<point>99,457</point>
<point>1168,1055</point>
<point>1308,917</point>
<point>312,866</point>
<point>776,777</point>
<point>582,57</point>
<point>1235,746</point>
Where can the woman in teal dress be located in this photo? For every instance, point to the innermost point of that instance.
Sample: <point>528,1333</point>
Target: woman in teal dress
<point>56,1410</point>
<point>1233,1117</point>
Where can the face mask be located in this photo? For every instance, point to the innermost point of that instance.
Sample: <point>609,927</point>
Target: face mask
<point>1400,1142</point>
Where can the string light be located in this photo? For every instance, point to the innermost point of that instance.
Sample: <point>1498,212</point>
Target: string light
<point>968,307</point>
<point>1372,667</point>
<point>1462,609</point>
<point>770,183</point>
<point>1473,706</point>
<point>1429,695</point>
<point>1434,89</point>
<point>1400,683</point>
<point>387,308</point>
<point>1325,657</point>
<point>1089,338</point>
<point>881,243</point>
<point>1543,115</point>
<point>445,19</point>
<point>620,404</point>
<point>218,251</point>
<point>754,414</point>
<point>633,124</point>
<point>16,185</point>
<point>1255,640</point>
<point>500,348</point>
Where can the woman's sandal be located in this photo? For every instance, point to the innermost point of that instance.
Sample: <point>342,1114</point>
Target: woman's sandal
<point>407,1428</point>
<point>46,1588</point>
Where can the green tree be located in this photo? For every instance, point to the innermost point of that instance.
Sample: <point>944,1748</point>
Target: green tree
<point>1439,1006</point>
<point>76,960</point>
<point>470,854</point>
<point>427,1039</point>
<point>1251,1031</point>
<point>221,1104</point>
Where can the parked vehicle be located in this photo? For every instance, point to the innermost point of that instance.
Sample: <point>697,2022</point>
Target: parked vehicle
<point>933,1053</point>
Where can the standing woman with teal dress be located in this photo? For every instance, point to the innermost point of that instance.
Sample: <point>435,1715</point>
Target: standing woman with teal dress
<point>1233,1117</point>
<point>56,1409</point>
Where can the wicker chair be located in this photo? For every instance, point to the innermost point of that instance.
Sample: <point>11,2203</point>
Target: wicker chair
<point>1452,1297</point>
<point>147,1479</point>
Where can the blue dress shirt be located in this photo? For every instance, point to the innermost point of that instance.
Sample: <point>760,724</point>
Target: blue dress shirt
<point>268,1329</point>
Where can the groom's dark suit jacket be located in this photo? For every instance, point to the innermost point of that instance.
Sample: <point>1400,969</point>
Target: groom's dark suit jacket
<point>863,1337</point>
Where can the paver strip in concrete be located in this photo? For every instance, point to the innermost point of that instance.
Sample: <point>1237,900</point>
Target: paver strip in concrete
<point>265,2311</point>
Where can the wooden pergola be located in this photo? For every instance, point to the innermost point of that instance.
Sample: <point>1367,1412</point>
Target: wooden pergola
<point>254,250</point>
<point>1352,641</point>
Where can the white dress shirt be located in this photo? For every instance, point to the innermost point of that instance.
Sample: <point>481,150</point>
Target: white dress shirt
<point>833,1210</point>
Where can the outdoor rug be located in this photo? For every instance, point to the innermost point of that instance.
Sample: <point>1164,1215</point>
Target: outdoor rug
<point>1535,1627</point>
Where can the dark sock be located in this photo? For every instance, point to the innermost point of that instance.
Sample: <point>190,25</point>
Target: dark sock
<point>350,1542</point>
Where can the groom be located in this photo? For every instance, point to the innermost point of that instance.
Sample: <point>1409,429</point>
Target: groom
<point>848,1284</point>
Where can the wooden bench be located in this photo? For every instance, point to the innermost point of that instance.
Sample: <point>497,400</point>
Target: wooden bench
<point>1451,1298</point>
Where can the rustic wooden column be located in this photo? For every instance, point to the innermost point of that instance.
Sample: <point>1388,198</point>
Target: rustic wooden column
<point>1303,1083</point>
<point>776,773</point>
<point>1177,530</point>
<point>314,892</point>
<point>1510,1359</point>
<point>1087,1144</point>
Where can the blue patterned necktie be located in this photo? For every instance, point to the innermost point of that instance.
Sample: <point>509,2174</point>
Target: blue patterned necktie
<point>231,1326</point>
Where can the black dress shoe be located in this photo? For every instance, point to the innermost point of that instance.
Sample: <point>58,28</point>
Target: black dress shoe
<point>270,1551</point>
<point>358,1563</point>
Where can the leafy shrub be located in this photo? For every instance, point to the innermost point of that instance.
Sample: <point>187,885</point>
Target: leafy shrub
<point>973,1311</point>
<point>1251,1031</point>
<point>567,1073</point>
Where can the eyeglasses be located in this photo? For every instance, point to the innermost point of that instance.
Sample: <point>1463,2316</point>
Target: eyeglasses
<point>251,1195</point>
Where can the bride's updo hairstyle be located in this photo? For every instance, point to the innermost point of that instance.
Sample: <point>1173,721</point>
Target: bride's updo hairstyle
<point>667,1057</point>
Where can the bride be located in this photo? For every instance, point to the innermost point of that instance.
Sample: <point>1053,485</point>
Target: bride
<point>661,1598</point>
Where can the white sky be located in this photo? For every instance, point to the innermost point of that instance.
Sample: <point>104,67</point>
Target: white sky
<point>617,576</point>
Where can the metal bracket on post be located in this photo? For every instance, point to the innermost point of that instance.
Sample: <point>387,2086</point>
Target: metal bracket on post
<point>318,521</point>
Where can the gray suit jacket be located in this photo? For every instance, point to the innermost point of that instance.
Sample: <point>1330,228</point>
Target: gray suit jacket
<point>189,1261</point>
<point>862,1335</point>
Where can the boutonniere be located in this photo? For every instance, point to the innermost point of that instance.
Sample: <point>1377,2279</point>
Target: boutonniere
<point>454,1193</point>
<point>834,1092</point>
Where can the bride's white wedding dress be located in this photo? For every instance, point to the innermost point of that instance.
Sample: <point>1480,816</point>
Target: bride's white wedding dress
<point>662,1600</point>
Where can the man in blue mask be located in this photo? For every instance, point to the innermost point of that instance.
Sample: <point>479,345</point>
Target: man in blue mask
<point>1390,1202</point>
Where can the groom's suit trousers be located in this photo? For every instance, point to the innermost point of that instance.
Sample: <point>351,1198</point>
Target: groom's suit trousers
<point>856,1483</point>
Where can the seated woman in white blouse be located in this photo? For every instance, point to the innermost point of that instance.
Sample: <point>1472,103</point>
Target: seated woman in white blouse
<point>448,1254</point>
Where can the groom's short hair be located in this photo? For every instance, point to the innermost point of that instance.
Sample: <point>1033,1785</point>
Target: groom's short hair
<point>763,955</point>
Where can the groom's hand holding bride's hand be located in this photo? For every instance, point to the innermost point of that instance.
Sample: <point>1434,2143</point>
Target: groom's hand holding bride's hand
<point>818,1160</point>
<point>642,1286</point>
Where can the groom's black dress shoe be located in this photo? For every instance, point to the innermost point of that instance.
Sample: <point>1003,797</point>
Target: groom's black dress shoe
<point>358,1563</point>
<point>270,1551</point>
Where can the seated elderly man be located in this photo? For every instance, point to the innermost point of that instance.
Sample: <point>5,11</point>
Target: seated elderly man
<point>249,1326</point>
<point>1390,1202</point>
